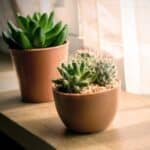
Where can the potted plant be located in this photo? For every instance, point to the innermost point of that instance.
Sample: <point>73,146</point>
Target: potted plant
<point>86,95</point>
<point>38,46</point>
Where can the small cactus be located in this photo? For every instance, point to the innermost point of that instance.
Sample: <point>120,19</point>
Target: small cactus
<point>106,72</point>
<point>75,76</point>
<point>36,31</point>
<point>88,58</point>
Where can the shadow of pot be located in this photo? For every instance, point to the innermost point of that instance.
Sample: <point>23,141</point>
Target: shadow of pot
<point>87,113</point>
<point>36,68</point>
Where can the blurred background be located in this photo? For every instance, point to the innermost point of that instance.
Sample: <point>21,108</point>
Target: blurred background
<point>114,28</point>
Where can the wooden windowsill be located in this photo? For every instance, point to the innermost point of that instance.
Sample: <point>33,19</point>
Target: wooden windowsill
<point>37,126</point>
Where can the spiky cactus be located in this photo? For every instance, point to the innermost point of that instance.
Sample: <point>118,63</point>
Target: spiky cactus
<point>106,72</point>
<point>75,76</point>
<point>87,58</point>
<point>36,31</point>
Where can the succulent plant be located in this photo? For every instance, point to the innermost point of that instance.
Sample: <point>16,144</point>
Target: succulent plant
<point>36,31</point>
<point>106,72</point>
<point>75,76</point>
<point>84,70</point>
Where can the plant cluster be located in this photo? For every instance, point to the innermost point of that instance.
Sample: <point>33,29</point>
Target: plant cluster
<point>36,31</point>
<point>74,77</point>
<point>83,70</point>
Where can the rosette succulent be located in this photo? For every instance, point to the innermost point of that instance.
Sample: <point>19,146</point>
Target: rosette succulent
<point>36,31</point>
<point>75,76</point>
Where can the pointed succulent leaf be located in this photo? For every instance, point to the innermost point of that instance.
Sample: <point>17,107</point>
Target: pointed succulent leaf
<point>85,75</point>
<point>54,31</point>
<point>36,16</point>
<point>9,40</point>
<point>29,18</point>
<point>65,67</point>
<point>76,68</point>
<point>65,74</point>
<point>39,38</point>
<point>50,20</point>
<point>14,30</point>
<point>22,22</point>
<point>58,81</point>
<point>24,41</point>
<point>82,67</point>
<point>62,36</point>
<point>48,42</point>
<point>60,71</point>
<point>51,35</point>
<point>43,21</point>
<point>32,25</point>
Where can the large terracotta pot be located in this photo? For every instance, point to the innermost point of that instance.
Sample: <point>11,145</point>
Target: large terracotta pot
<point>36,68</point>
<point>87,113</point>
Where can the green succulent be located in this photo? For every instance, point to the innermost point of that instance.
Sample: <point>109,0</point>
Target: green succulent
<point>36,31</point>
<point>106,72</point>
<point>75,76</point>
<point>83,70</point>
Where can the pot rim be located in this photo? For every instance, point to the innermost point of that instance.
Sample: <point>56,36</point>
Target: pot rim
<point>41,49</point>
<point>85,94</point>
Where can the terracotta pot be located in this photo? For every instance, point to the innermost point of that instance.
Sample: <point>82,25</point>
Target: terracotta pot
<point>36,68</point>
<point>87,113</point>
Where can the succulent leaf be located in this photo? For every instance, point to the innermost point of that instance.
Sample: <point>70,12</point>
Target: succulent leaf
<point>36,16</point>
<point>24,41</point>
<point>22,22</point>
<point>54,31</point>
<point>13,30</point>
<point>39,38</point>
<point>43,21</point>
<point>51,20</point>
<point>9,40</point>
<point>61,38</point>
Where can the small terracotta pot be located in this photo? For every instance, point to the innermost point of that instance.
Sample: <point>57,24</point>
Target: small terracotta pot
<point>87,113</point>
<point>36,68</point>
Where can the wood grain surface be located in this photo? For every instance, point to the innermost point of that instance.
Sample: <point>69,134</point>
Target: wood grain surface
<point>37,126</point>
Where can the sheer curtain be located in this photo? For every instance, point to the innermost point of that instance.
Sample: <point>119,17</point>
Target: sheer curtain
<point>120,28</point>
<point>136,42</point>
